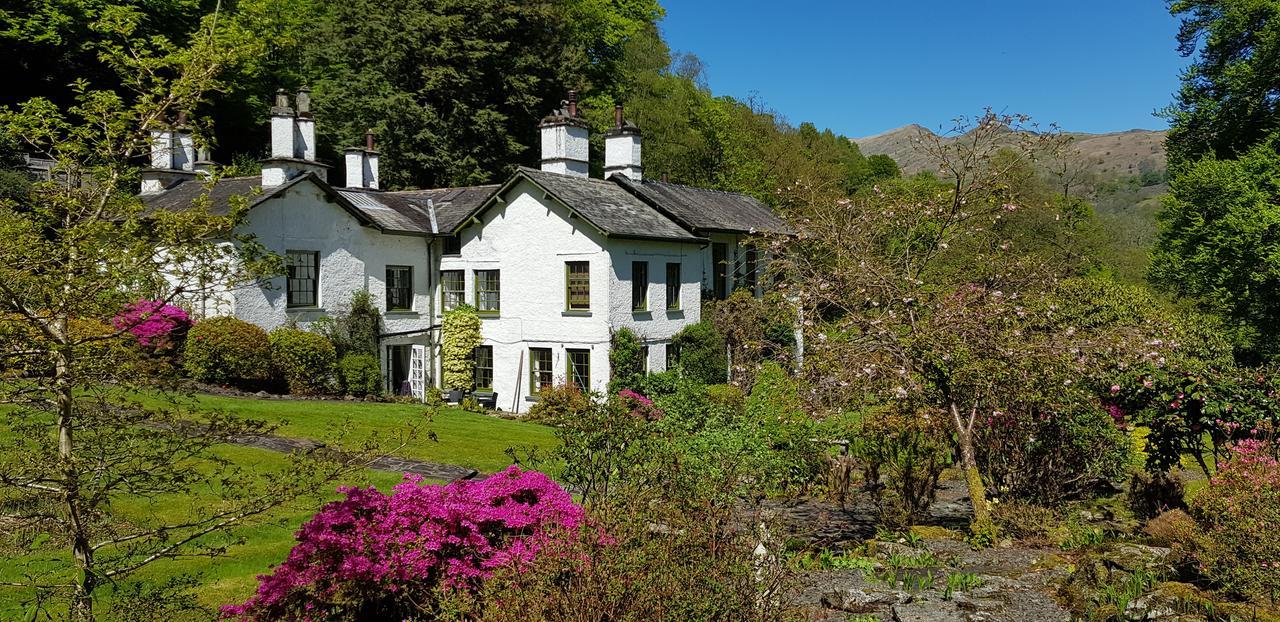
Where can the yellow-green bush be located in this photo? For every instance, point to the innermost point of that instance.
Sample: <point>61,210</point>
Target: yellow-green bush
<point>225,350</point>
<point>304,360</point>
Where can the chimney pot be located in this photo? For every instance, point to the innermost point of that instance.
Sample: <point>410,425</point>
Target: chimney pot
<point>617,116</point>
<point>304,101</point>
<point>282,98</point>
<point>664,178</point>
<point>573,104</point>
<point>368,139</point>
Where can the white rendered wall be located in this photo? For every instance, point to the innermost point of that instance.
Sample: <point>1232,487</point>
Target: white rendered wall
<point>622,155</point>
<point>564,149</point>
<point>656,326</point>
<point>352,257</point>
<point>529,241</point>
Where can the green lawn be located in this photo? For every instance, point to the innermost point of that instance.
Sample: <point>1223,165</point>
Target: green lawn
<point>464,438</point>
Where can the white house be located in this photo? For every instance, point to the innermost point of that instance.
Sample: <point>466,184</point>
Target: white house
<point>553,260</point>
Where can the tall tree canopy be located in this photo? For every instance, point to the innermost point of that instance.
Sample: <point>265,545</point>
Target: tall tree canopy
<point>1230,95</point>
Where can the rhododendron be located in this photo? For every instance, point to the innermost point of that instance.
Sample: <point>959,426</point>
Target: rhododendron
<point>640,406</point>
<point>153,322</point>
<point>374,552</point>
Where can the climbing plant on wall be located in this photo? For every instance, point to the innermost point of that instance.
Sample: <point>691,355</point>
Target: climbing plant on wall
<point>461,336</point>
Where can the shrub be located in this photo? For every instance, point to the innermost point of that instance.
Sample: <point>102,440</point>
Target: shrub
<point>727,396</point>
<point>305,360</point>
<point>774,408</point>
<point>660,384</point>
<point>911,448</point>
<point>225,350</point>
<point>390,557</point>
<point>1172,528</point>
<point>461,336</point>
<point>353,330</point>
<point>361,374</point>
<point>1024,521</point>
<point>1238,514</point>
<point>1050,456</point>
<point>154,323</point>
<point>1150,495</point>
<point>701,353</point>
<point>559,404</point>
<point>626,361</point>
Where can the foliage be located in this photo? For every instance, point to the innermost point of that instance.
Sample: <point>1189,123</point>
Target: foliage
<point>1216,244</point>
<point>774,410</point>
<point>941,292</point>
<point>1171,528</point>
<point>650,566</point>
<point>626,364</point>
<point>1238,514</point>
<point>701,353</point>
<point>155,323</point>
<point>304,359</point>
<point>1024,521</point>
<point>910,449</point>
<point>557,404</point>
<point>226,350</point>
<point>374,555</point>
<point>354,329</point>
<point>727,396</point>
<point>1153,495</point>
<point>1228,99</point>
<point>361,375</point>
<point>1048,456</point>
<point>460,337</point>
<point>754,330</point>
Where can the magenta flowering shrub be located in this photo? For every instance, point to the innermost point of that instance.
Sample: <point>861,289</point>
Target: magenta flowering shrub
<point>639,406</point>
<point>389,557</point>
<point>154,323</point>
<point>1239,516</point>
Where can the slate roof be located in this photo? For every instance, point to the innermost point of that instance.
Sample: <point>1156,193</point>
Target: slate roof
<point>404,212</point>
<point>607,206</point>
<point>703,210</point>
<point>180,196</point>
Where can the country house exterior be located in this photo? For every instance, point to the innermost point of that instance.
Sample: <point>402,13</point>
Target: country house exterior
<point>553,260</point>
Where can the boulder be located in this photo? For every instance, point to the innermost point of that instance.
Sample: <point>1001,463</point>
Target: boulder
<point>855,600</point>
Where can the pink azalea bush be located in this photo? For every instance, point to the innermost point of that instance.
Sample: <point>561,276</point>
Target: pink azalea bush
<point>640,406</point>
<point>153,322</point>
<point>379,556</point>
<point>1239,514</point>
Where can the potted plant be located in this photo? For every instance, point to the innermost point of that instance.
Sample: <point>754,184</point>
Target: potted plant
<point>460,337</point>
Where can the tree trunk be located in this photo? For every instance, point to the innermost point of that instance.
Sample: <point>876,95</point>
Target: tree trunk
<point>81,608</point>
<point>969,465</point>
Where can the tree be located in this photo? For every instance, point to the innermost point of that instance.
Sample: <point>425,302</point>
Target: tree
<point>1230,95</point>
<point>921,293</point>
<point>77,251</point>
<point>1217,243</point>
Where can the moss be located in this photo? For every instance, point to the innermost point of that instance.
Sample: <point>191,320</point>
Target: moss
<point>1193,600</point>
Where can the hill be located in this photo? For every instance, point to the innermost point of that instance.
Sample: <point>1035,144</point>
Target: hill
<point>1112,155</point>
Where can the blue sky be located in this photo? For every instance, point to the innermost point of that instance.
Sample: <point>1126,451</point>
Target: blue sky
<point>862,67</point>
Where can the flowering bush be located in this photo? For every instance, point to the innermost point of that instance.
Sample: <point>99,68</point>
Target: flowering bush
<point>1239,514</point>
<point>559,404</point>
<point>639,406</point>
<point>391,557</point>
<point>155,323</point>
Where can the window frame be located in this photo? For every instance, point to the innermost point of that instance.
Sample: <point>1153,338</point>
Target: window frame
<point>644,359</point>
<point>750,267</point>
<point>639,286</point>
<point>407,288</point>
<point>461,292</point>
<point>570,371</point>
<point>672,356</point>
<point>496,291</point>
<point>477,367</point>
<point>290,278</point>
<point>673,288</point>
<point>535,386</point>
<point>569,277</point>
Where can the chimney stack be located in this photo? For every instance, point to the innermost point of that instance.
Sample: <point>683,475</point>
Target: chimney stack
<point>362,164</point>
<point>622,149</point>
<point>172,152</point>
<point>564,140</point>
<point>293,141</point>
